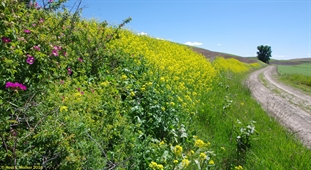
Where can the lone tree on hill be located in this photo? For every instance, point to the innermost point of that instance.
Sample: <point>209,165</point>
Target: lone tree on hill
<point>264,53</point>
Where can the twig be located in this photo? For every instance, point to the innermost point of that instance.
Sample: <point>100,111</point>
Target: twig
<point>5,146</point>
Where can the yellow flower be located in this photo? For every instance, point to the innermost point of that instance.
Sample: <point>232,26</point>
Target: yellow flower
<point>77,95</point>
<point>160,167</point>
<point>162,79</point>
<point>63,108</point>
<point>238,167</point>
<point>185,162</point>
<point>211,162</point>
<point>105,84</point>
<point>153,165</point>
<point>124,77</point>
<point>175,161</point>
<point>199,143</point>
<point>163,108</point>
<point>207,144</point>
<point>192,152</point>
<point>177,150</point>
<point>132,94</point>
<point>161,143</point>
<point>202,156</point>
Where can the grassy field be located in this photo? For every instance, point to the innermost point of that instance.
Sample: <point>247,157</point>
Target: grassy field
<point>304,69</point>
<point>298,76</point>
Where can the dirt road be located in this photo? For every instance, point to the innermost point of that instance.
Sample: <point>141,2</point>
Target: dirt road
<point>291,107</point>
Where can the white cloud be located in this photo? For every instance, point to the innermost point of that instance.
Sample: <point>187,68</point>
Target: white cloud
<point>160,39</point>
<point>280,57</point>
<point>194,43</point>
<point>142,33</point>
<point>218,44</point>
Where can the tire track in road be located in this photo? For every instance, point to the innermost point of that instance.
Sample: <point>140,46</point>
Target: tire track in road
<point>291,107</point>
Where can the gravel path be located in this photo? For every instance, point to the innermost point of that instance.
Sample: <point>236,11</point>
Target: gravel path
<point>291,107</point>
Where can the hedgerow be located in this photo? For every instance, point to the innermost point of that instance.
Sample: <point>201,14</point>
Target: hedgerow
<point>78,93</point>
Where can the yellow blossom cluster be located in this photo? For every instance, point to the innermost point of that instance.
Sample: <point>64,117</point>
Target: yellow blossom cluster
<point>156,166</point>
<point>199,143</point>
<point>177,150</point>
<point>176,66</point>
<point>231,64</point>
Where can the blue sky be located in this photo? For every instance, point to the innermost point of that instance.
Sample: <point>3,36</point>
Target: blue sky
<point>230,26</point>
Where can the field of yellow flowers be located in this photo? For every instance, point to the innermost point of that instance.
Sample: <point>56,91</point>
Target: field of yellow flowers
<point>78,94</point>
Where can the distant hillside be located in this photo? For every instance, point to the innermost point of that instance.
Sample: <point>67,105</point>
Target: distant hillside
<point>295,61</point>
<point>212,54</point>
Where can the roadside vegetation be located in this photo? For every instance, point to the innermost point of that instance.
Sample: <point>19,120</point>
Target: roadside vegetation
<point>80,94</point>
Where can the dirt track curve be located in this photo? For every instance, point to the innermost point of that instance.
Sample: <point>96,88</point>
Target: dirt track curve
<point>291,107</point>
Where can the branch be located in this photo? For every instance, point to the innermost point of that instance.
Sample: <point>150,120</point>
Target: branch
<point>5,146</point>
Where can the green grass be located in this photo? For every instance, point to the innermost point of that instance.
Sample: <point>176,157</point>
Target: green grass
<point>272,148</point>
<point>298,76</point>
<point>304,69</point>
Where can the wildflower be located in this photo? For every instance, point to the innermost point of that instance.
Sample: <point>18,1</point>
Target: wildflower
<point>199,143</point>
<point>177,150</point>
<point>153,165</point>
<point>192,152</point>
<point>55,53</point>
<point>160,167</point>
<point>41,20</point>
<point>50,1</point>
<point>161,143</point>
<point>238,167</point>
<point>77,95</point>
<point>162,79</point>
<point>80,59</point>
<point>132,94</point>
<point>211,162</point>
<point>36,47</point>
<point>207,144</point>
<point>175,161</point>
<point>63,108</point>
<point>69,71</point>
<point>27,31</point>
<point>124,77</point>
<point>185,162</point>
<point>65,54</point>
<point>15,86</point>
<point>55,47</point>
<point>30,59</point>
<point>202,156</point>
<point>105,84</point>
<point>5,40</point>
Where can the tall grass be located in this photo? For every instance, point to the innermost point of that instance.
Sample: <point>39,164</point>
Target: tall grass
<point>272,146</point>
